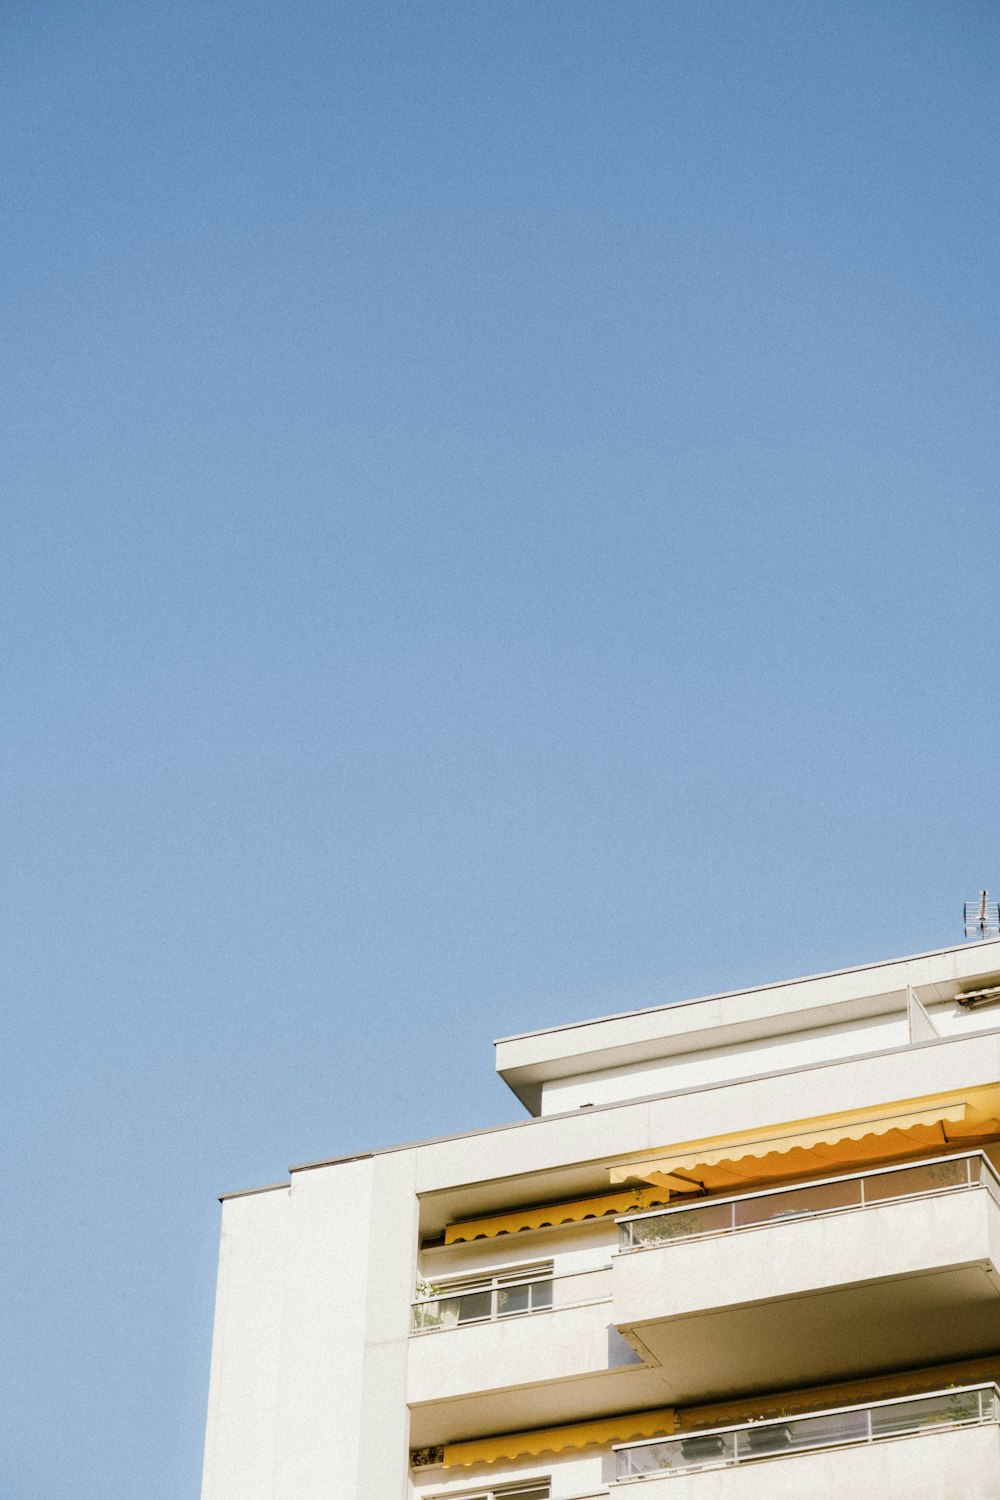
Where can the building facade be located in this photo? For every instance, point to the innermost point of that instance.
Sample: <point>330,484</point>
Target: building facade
<point>743,1246</point>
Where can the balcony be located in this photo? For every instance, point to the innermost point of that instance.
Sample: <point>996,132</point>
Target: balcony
<point>807,1200</point>
<point>512,1354</point>
<point>891,1268</point>
<point>840,1453</point>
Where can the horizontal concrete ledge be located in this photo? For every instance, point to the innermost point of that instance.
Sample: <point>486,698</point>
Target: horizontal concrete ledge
<point>594,1109</point>
<point>271,1187</point>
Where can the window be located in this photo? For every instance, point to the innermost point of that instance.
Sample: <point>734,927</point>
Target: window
<point>481,1299</point>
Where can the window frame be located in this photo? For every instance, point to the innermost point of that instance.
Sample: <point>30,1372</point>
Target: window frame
<point>495,1284</point>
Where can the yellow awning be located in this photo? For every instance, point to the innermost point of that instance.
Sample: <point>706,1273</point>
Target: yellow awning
<point>548,1215</point>
<point>798,1148</point>
<point>606,1430</point>
<point>818,1145</point>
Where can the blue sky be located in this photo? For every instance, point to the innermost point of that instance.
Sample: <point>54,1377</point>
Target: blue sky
<point>499,525</point>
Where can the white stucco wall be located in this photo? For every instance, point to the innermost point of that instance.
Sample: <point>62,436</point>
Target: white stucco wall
<point>383,1468</point>
<point>554,1345</point>
<point>691,1070</point>
<point>246,1349</point>
<point>308,1389</point>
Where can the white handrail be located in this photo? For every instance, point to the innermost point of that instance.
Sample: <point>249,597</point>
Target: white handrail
<point>493,1284</point>
<point>802,1416</point>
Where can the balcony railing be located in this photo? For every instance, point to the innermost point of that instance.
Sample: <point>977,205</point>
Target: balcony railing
<point>720,1447</point>
<point>807,1200</point>
<point>500,1298</point>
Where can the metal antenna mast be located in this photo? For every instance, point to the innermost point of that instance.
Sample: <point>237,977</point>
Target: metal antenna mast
<point>982,917</point>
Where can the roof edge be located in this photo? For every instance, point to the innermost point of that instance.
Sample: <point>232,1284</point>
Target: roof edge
<point>594,1109</point>
<point>751,989</point>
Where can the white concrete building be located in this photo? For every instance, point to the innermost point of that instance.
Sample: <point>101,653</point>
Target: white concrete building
<point>744,1246</point>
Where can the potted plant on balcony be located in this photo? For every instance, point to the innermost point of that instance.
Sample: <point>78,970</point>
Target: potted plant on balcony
<point>427,1314</point>
<point>958,1406</point>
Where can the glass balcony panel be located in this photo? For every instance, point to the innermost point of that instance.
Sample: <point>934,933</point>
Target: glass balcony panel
<point>764,1439</point>
<point>798,1203</point>
<point>710,1217</point>
<point>426,1315</point>
<point>469,1308</point>
<point>686,1224</point>
<point>525,1296</point>
<point>930,1411</point>
<point>932,1177</point>
<point>505,1299</point>
<point>651,1458</point>
<point>704,1449</point>
<point>699,1450</point>
<point>540,1294</point>
<point>513,1299</point>
<point>834,1427</point>
<point>851,1425</point>
<point>983,1176</point>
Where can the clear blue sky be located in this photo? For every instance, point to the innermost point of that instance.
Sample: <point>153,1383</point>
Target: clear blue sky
<point>500,517</point>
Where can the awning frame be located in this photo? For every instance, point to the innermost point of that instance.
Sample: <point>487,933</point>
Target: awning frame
<point>532,1443</point>
<point>684,1168</point>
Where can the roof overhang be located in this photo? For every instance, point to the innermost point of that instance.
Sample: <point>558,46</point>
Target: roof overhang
<point>528,1061</point>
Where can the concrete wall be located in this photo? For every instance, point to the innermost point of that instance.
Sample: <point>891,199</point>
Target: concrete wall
<point>691,1070</point>
<point>308,1387</point>
<point>246,1349</point>
<point>559,1344</point>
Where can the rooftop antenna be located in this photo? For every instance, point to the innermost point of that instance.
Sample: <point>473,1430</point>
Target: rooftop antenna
<point>982,918</point>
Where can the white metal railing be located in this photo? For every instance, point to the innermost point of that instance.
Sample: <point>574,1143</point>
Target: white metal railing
<point>807,1200</point>
<point>499,1298</point>
<point>720,1447</point>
